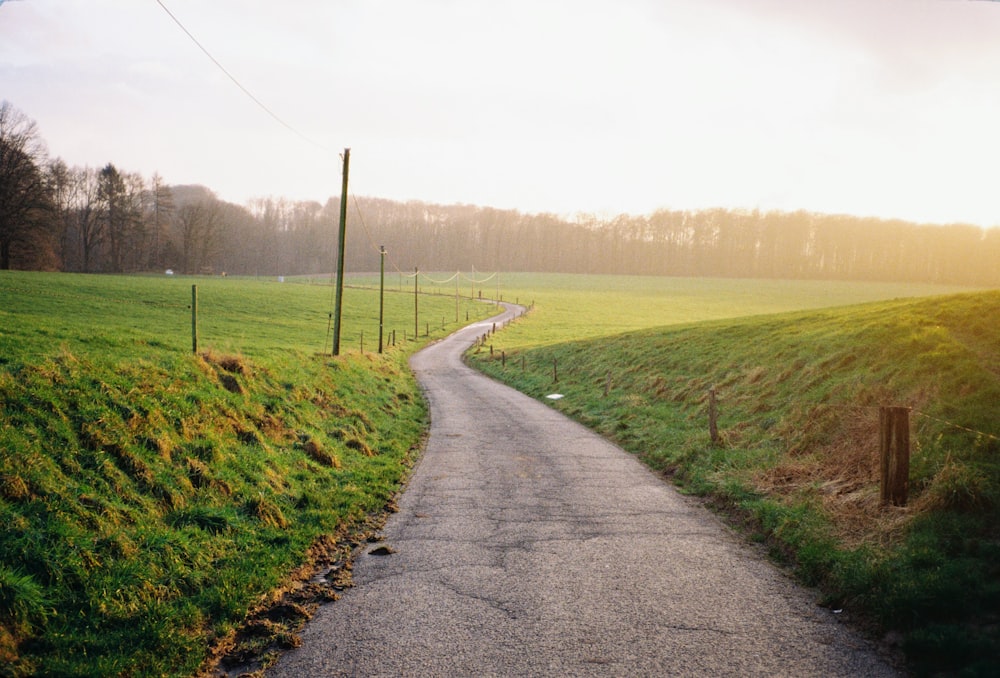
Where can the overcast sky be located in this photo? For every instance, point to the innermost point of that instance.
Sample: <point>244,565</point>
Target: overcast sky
<point>886,108</point>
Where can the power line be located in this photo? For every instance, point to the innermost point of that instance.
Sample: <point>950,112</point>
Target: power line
<point>235,81</point>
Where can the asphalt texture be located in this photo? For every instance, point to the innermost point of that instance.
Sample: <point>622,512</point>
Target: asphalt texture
<point>526,545</point>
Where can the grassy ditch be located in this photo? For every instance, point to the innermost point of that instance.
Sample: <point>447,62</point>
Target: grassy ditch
<point>797,463</point>
<point>151,498</point>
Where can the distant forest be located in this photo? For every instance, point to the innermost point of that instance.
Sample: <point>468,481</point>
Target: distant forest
<point>105,220</point>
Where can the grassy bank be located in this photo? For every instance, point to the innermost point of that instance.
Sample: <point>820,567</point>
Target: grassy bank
<point>151,497</point>
<point>797,463</point>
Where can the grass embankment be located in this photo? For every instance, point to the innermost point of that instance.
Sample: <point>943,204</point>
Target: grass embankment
<point>150,497</point>
<point>798,461</point>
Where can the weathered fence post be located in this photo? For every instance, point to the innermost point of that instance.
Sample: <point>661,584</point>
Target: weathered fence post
<point>607,385</point>
<point>503,358</point>
<point>894,434</point>
<point>713,414</point>
<point>555,371</point>
<point>194,318</point>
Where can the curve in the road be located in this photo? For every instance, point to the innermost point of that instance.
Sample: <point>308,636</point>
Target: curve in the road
<point>527,545</point>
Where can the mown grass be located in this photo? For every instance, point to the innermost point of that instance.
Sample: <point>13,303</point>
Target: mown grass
<point>151,497</point>
<point>798,461</point>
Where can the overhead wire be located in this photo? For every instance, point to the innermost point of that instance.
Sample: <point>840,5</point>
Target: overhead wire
<point>238,83</point>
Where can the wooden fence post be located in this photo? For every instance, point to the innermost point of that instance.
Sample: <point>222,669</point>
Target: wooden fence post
<point>894,435</point>
<point>713,413</point>
<point>194,319</point>
<point>607,385</point>
<point>555,371</point>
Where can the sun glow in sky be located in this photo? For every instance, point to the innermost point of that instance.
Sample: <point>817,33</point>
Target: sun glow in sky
<point>886,108</point>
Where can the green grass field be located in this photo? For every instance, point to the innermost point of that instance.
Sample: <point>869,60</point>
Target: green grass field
<point>151,497</point>
<point>797,464</point>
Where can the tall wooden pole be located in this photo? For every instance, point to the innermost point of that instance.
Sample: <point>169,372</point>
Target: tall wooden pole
<point>416,303</point>
<point>381,294</point>
<point>340,255</point>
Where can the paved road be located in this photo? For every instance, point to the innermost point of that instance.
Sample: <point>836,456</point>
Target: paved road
<point>525,545</point>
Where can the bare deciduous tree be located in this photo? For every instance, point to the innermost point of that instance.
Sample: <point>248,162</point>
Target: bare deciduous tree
<point>24,191</point>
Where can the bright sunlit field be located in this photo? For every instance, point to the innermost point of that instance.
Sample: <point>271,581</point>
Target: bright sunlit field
<point>571,306</point>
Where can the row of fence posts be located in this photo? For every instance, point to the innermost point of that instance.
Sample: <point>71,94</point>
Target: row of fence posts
<point>894,421</point>
<point>894,437</point>
<point>391,338</point>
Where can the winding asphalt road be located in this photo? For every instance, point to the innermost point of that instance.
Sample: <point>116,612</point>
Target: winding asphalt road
<point>525,545</point>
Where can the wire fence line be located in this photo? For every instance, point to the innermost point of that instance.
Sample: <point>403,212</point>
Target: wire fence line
<point>716,396</point>
<point>168,319</point>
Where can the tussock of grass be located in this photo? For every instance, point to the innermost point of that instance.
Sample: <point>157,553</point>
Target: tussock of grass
<point>798,401</point>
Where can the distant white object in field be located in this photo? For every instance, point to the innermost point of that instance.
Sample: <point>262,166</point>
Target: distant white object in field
<point>554,396</point>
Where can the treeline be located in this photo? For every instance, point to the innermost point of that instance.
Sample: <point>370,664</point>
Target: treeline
<point>716,243</point>
<point>56,217</point>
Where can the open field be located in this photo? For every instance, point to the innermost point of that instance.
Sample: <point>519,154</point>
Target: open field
<point>797,461</point>
<point>151,497</point>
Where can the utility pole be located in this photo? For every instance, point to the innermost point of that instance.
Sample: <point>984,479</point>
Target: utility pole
<point>381,294</point>
<point>416,303</point>
<point>340,255</point>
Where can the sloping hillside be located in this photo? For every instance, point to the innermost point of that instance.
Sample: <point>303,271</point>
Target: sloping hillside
<point>150,497</point>
<point>797,461</point>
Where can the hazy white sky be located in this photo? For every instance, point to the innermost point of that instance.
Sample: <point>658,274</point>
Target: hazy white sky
<point>885,108</point>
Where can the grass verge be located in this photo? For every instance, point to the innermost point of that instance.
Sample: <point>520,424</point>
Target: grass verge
<point>797,461</point>
<point>152,498</point>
